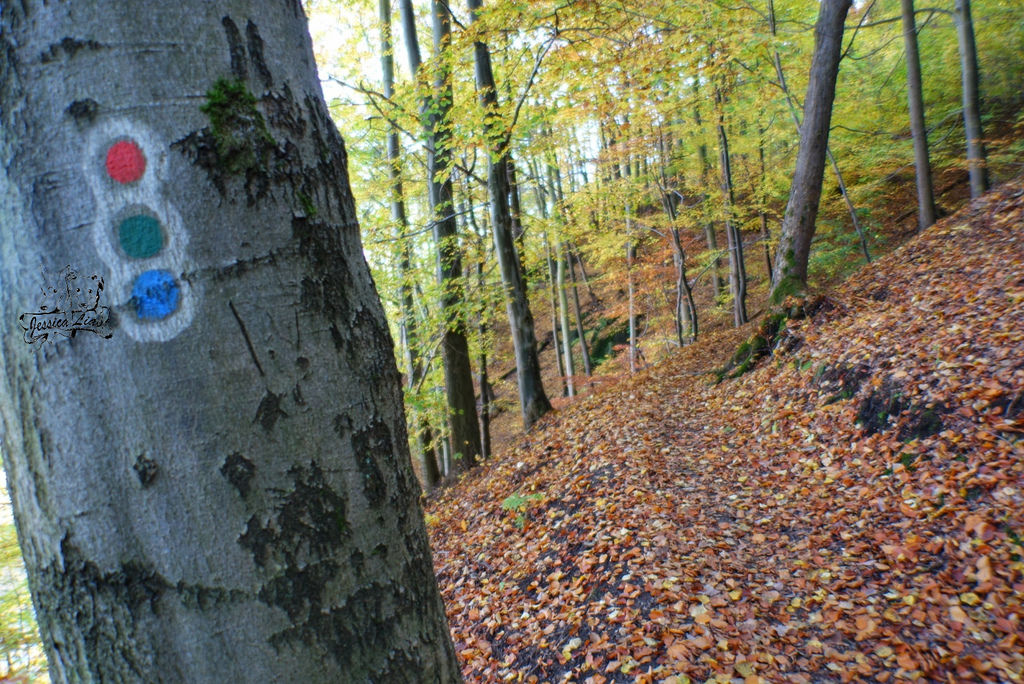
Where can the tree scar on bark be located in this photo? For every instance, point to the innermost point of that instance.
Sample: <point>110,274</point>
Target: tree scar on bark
<point>245,334</point>
<point>236,49</point>
<point>255,42</point>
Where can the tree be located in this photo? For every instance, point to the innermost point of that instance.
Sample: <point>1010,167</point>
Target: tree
<point>915,99</point>
<point>790,272</point>
<point>972,111</point>
<point>220,491</point>
<point>533,402</point>
<point>409,325</point>
<point>436,112</point>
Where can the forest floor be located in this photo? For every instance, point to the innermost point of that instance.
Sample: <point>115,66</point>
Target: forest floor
<point>850,510</point>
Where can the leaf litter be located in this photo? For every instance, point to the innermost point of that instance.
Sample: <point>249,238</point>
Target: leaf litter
<point>850,510</point>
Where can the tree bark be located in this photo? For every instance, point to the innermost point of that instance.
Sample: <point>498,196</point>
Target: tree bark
<point>580,332</point>
<point>220,491</point>
<point>533,402</point>
<point>737,268</point>
<point>553,302</point>
<point>709,225</point>
<point>458,375</point>
<point>915,101</point>
<point>850,208</point>
<point>790,273</point>
<point>427,459</point>
<point>563,316</point>
<point>976,164</point>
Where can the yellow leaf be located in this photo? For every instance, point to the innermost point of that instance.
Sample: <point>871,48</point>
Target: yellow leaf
<point>744,669</point>
<point>970,599</point>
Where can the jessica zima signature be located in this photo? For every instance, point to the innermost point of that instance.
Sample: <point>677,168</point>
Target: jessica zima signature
<point>71,304</point>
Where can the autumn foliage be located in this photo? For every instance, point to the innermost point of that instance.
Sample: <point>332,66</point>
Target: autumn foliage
<point>850,510</point>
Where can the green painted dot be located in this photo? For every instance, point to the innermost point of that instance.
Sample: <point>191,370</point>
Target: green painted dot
<point>141,236</point>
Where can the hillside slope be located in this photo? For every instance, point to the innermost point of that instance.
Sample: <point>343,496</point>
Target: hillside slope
<point>852,509</point>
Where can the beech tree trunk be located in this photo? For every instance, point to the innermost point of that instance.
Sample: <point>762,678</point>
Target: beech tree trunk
<point>563,316</point>
<point>464,430</point>
<point>553,302</point>
<point>428,462</point>
<point>790,272</point>
<point>580,332</point>
<point>737,267</point>
<point>850,208</point>
<point>221,491</point>
<point>976,164</point>
<point>533,402</point>
<point>709,225</point>
<point>915,100</point>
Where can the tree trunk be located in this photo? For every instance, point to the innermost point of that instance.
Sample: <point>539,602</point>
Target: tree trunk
<point>533,402</point>
<point>915,100</point>
<point>766,235</point>
<point>410,337</point>
<point>631,290</point>
<point>976,164</point>
<point>458,376</point>
<point>484,412</point>
<point>555,187</point>
<point>553,301</point>
<point>515,212</point>
<point>790,273</point>
<point>486,396</point>
<point>737,268</point>
<point>563,315</point>
<point>777,60</point>
<point>580,333</point>
<point>709,225</point>
<point>221,491</point>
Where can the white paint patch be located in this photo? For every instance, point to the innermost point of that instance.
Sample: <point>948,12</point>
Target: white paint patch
<point>111,200</point>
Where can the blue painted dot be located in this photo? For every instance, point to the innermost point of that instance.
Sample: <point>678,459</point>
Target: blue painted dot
<point>155,295</point>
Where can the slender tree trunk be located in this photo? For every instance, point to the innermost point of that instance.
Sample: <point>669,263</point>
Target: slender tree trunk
<point>555,186</point>
<point>533,401</point>
<point>485,394</point>
<point>685,313</point>
<point>515,212</point>
<point>583,271</point>
<point>790,273</point>
<point>631,289</point>
<point>580,332</point>
<point>428,462</point>
<point>553,300</point>
<point>462,424</point>
<point>458,375</point>
<point>976,164</point>
<point>766,235</point>
<point>563,315</point>
<point>915,100</point>
<point>709,225</point>
<point>737,268</point>
<point>221,491</point>
<point>483,326</point>
<point>850,208</point>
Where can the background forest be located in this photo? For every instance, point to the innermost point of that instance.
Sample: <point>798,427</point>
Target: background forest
<point>648,148</point>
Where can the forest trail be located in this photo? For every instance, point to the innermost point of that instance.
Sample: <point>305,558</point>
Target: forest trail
<point>850,510</point>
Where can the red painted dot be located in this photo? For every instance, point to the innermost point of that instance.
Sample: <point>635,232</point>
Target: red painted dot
<point>125,161</point>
